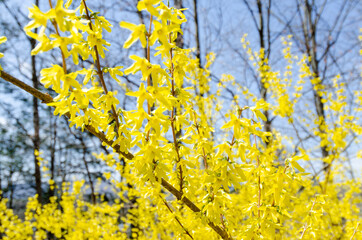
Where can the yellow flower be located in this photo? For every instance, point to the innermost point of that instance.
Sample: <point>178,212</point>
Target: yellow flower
<point>138,32</point>
<point>148,5</point>
<point>2,40</point>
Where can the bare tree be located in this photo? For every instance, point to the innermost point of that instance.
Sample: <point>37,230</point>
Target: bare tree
<point>261,21</point>
<point>316,34</point>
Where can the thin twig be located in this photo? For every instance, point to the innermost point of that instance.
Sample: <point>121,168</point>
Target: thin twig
<point>310,212</point>
<point>99,70</point>
<point>177,219</point>
<point>173,118</point>
<point>354,232</point>
<point>259,187</point>
<point>149,80</point>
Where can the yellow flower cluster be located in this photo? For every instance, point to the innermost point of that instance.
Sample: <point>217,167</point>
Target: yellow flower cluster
<point>182,181</point>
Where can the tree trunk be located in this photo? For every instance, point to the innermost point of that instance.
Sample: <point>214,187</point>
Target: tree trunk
<point>36,137</point>
<point>11,188</point>
<point>311,47</point>
<point>93,196</point>
<point>262,38</point>
<point>52,155</point>
<point>197,39</point>
<point>180,39</point>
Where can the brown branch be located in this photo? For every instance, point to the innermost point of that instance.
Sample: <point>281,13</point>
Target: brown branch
<point>46,98</point>
<point>179,195</point>
<point>259,180</point>
<point>149,80</point>
<point>173,118</point>
<point>179,222</point>
<point>99,70</point>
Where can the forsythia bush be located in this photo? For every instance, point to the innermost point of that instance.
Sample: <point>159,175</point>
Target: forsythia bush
<point>180,180</point>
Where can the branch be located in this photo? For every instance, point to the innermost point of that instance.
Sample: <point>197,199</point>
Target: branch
<point>46,98</point>
<point>173,118</point>
<point>252,14</point>
<point>179,222</point>
<point>193,207</point>
<point>306,225</point>
<point>99,70</point>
